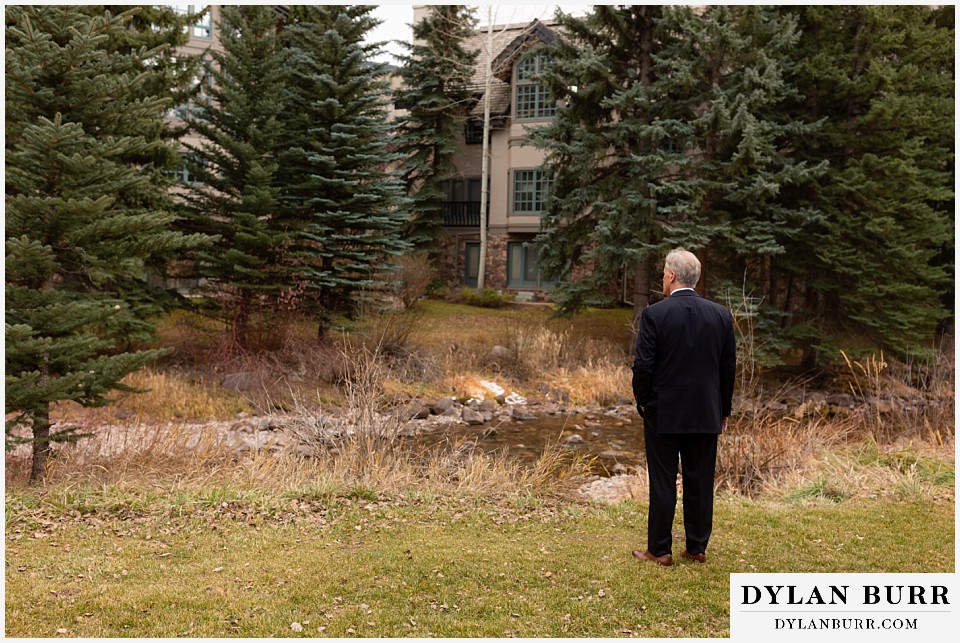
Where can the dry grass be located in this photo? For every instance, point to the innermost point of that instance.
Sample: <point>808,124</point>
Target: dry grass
<point>359,453</point>
<point>817,454</point>
<point>160,462</point>
<point>363,447</point>
<point>602,383</point>
<point>759,452</point>
<point>373,370</point>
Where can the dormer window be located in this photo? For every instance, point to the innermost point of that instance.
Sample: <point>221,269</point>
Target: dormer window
<point>533,100</point>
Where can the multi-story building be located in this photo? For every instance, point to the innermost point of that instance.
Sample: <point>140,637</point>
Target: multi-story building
<point>516,183</point>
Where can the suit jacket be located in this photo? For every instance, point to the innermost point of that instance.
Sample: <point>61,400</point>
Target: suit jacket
<point>685,364</point>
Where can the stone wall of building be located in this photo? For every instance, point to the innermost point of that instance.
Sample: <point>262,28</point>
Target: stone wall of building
<point>451,268</point>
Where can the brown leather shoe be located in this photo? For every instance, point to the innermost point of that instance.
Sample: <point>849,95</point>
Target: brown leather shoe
<point>697,558</point>
<point>666,560</point>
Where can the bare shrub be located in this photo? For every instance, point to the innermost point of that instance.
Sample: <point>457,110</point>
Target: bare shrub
<point>410,281</point>
<point>759,450</point>
<point>892,406</point>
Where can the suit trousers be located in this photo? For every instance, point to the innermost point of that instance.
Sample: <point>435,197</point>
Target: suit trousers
<point>697,454</point>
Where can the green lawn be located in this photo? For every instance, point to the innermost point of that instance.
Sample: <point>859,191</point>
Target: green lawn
<point>410,567</point>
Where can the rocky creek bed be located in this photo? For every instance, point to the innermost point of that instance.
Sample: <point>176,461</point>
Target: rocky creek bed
<point>612,436</point>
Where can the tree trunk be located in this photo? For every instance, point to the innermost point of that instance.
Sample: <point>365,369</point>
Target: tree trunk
<point>41,445</point>
<point>241,320</point>
<point>787,320</point>
<point>641,295</point>
<point>485,163</point>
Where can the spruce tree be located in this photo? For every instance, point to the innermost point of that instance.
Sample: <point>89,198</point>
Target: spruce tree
<point>881,80</point>
<point>339,190</point>
<point>436,94</point>
<point>77,236</point>
<point>602,155</point>
<point>169,73</point>
<point>235,163</point>
<point>672,137</point>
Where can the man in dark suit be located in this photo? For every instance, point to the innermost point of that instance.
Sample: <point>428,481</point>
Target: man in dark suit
<point>683,373</point>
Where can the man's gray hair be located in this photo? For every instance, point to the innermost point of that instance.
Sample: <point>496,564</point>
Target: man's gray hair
<point>685,265</point>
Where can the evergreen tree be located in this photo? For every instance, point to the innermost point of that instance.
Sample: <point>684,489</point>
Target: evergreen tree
<point>76,236</point>
<point>881,78</point>
<point>235,163</point>
<point>602,156</point>
<point>671,137</point>
<point>338,190</point>
<point>436,93</point>
<point>169,73</point>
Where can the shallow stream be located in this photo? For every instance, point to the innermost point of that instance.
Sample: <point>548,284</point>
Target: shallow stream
<point>616,442</point>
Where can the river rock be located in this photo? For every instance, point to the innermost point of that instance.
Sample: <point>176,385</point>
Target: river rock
<point>841,399</point>
<point>409,430</point>
<point>612,454</point>
<point>442,405</point>
<point>416,411</point>
<point>615,489</point>
<point>472,417</point>
<point>522,416</point>
<point>488,405</point>
<point>552,408</point>
<point>573,438</point>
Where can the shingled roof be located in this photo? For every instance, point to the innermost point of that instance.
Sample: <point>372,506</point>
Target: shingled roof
<point>510,42</point>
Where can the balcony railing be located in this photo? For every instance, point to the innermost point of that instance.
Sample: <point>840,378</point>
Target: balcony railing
<point>461,214</point>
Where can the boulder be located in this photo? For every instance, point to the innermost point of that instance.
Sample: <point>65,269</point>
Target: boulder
<point>416,411</point>
<point>488,406</point>
<point>472,417</point>
<point>522,416</point>
<point>441,406</point>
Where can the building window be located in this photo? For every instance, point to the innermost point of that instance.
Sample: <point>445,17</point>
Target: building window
<point>203,27</point>
<point>461,204</point>
<point>473,132</point>
<point>182,174</point>
<point>529,191</point>
<point>196,106</point>
<point>523,267</point>
<point>471,264</point>
<point>533,100</point>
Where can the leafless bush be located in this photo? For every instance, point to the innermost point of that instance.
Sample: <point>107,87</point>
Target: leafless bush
<point>759,450</point>
<point>409,282</point>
